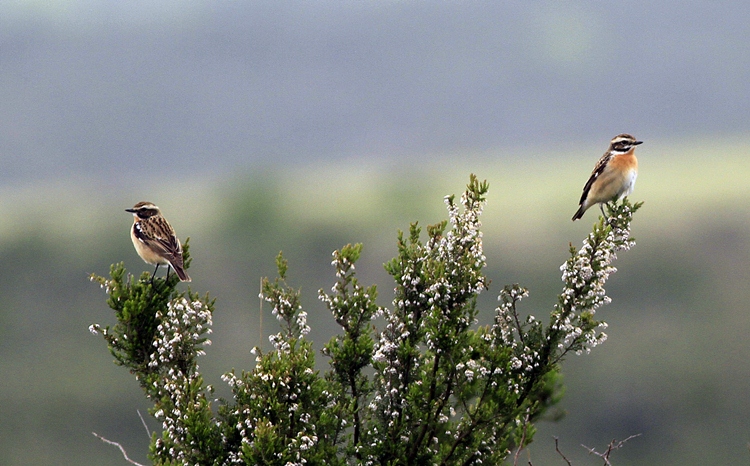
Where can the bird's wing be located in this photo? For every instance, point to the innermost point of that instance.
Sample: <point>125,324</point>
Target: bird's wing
<point>598,169</point>
<point>158,234</point>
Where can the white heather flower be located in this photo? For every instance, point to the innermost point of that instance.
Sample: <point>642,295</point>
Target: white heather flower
<point>515,363</point>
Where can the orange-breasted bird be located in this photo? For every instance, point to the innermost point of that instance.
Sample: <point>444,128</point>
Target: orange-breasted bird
<point>613,176</point>
<point>155,240</point>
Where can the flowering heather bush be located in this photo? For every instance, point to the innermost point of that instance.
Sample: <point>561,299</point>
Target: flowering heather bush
<point>432,387</point>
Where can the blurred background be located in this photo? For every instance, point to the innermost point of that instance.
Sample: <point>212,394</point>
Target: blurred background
<point>302,126</point>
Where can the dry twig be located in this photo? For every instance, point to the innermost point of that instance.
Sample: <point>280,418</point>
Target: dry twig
<point>557,449</point>
<point>523,439</point>
<point>144,423</point>
<point>613,445</point>
<point>122,450</point>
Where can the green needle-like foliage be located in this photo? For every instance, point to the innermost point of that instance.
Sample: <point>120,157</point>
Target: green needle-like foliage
<point>432,387</point>
<point>159,334</point>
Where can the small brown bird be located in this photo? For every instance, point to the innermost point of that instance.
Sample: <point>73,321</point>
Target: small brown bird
<point>154,239</point>
<point>614,175</point>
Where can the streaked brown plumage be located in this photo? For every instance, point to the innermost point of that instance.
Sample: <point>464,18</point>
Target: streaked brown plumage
<point>155,240</point>
<point>613,176</point>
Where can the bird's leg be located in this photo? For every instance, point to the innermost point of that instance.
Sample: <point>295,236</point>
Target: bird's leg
<point>154,275</point>
<point>167,279</point>
<point>606,217</point>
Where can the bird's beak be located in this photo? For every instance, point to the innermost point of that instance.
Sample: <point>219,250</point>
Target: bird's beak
<point>637,142</point>
<point>132,211</point>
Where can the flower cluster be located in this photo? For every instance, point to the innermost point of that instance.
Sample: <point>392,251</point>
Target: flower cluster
<point>286,308</point>
<point>276,414</point>
<point>353,308</point>
<point>507,328</point>
<point>176,385</point>
<point>426,351</point>
<point>181,332</point>
<point>584,274</point>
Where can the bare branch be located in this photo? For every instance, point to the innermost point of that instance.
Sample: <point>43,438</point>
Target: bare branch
<point>143,421</point>
<point>523,439</point>
<point>122,450</point>
<point>613,445</point>
<point>557,449</point>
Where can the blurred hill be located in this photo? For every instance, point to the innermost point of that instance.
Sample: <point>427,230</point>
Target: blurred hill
<point>674,368</point>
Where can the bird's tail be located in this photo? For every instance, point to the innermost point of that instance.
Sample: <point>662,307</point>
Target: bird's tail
<point>579,213</point>
<point>180,272</point>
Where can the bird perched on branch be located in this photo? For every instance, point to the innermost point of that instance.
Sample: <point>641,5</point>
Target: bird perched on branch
<point>155,240</point>
<point>613,176</point>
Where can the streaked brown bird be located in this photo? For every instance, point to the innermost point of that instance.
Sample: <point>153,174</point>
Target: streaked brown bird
<point>613,176</point>
<point>155,240</point>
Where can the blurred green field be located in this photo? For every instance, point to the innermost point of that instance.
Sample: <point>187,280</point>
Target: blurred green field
<point>675,368</point>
